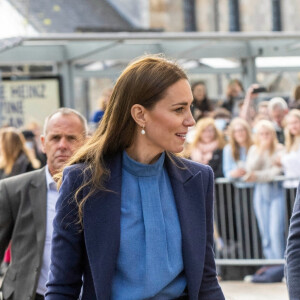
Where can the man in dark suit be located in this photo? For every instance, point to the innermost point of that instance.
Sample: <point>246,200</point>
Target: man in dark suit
<point>27,208</point>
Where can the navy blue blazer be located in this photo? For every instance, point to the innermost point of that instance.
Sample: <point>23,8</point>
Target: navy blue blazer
<point>293,252</point>
<point>92,253</point>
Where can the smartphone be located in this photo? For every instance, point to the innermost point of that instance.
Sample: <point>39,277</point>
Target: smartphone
<point>260,89</point>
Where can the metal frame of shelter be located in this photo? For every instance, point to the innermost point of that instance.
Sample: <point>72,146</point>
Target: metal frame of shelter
<point>71,53</point>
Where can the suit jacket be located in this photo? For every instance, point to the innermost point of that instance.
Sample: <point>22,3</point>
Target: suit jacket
<point>93,251</point>
<point>293,252</point>
<point>23,222</point>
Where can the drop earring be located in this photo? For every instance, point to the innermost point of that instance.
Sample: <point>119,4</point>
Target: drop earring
<point>143,130</point>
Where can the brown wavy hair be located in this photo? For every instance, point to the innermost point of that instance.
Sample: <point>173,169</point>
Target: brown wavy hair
<point>144,82</point>
<point>12,144</point>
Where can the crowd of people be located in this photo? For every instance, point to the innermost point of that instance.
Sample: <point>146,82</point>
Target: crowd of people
<point>251,143</point>
<point>106,227</point>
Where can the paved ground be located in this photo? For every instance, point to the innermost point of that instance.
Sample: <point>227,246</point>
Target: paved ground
<point>239,290</point>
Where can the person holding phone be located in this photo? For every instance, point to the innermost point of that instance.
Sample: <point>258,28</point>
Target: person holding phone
<point>248,110</point>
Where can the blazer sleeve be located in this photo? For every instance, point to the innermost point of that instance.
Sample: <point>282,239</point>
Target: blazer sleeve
<point>293,252</point>
<point>67,249</point>
<point>210,288</point>
<point>6,219</point>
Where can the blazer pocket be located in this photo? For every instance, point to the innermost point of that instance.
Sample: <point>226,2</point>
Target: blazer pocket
<point>11,274</point>
<point>8,285</point>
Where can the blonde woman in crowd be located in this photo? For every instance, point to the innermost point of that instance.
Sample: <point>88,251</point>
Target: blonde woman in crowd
<point>240,201</point>
<point>207,139</point>
<point>15,157</point>
<point>235,153</point>
<point>268,196</point>
<point>291,158</point>
<point>207,148</point>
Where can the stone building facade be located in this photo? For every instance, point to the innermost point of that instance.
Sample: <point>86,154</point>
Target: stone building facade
<point>166,15</point>
<point>255,15</point>
<point>211,15</point>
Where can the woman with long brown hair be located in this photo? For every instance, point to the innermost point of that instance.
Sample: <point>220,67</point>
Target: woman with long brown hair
<point>129,221</point>
<point>201,105</point>
<point>15,157</point>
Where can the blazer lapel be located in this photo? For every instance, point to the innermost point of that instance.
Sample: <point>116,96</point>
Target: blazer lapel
<point>190,200</point>
<point>102,214</point>
<point>38,199</point>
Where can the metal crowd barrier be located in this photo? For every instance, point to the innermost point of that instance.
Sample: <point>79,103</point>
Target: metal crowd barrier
<point>237,237</point>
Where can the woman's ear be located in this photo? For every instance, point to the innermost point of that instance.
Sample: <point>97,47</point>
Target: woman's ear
<point>138,114</point>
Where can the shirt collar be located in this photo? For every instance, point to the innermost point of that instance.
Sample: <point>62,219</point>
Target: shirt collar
<point>143,170</point>
<point>51,184</point>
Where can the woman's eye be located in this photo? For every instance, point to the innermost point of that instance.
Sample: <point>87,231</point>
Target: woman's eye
<point>179,109</point>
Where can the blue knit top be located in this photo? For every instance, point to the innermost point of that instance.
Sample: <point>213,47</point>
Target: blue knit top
<point>150,264</point>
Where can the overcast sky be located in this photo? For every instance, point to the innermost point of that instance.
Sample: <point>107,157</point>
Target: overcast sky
<point>12,23</point>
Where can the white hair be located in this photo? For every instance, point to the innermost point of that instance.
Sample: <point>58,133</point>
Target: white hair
<point>277,102</point>
<point>67,111</point>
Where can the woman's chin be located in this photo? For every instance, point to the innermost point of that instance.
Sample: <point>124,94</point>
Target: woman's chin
<point>176,150</point>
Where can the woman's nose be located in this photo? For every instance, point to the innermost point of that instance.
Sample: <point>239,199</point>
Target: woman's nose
<point>190,121</point>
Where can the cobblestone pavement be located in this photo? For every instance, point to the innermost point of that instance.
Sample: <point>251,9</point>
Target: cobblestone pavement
<point>240,290</point>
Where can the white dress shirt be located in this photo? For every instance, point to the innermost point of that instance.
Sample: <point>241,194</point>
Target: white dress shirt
<point>52,196</point>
